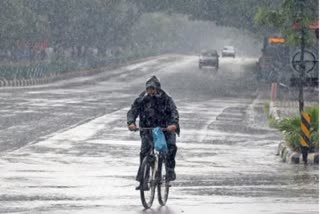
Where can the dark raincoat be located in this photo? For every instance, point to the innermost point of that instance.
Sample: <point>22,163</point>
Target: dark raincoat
<point>155,111</point>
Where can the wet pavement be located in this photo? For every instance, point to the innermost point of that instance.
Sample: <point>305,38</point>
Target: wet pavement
<point>69,151</point>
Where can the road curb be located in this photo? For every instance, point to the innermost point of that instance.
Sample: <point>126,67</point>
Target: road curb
<point>292,157</point>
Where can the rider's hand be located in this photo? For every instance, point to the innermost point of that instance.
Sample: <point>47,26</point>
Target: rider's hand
<point>132,127</point>
<point>172,128</point>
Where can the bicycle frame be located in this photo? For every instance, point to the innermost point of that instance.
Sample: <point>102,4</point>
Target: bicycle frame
<point>153,160</point>
<point>156,166</point>
<point>156,155</point>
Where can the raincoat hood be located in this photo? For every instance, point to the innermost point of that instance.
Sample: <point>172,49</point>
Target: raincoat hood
<point>153,81</point>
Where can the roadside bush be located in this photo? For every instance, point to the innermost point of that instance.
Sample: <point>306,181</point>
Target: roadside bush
<point>291,129</point>
<point>273,123</point>
<point>314,114</point>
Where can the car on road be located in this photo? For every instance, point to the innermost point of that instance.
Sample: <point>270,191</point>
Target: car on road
<point>228,51</point>
<point>209,58</point>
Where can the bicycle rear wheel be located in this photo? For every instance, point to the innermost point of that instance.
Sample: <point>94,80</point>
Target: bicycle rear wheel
<point>147,185</point>
<point>163,185</point>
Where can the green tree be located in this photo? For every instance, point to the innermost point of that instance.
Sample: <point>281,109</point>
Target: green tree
<point>230,13</point>
<point>19,23</point>
<point>288,14</point>
<point>88,23</point>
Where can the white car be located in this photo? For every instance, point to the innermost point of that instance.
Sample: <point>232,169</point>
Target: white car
<point>228,51</point>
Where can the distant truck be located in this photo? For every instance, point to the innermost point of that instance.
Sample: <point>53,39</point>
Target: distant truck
<point>274,64</point>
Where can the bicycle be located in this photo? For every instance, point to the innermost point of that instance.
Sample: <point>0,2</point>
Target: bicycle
<point>154,176</point>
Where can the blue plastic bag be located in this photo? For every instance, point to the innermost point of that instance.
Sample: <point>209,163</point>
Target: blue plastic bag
<point>159,140</point>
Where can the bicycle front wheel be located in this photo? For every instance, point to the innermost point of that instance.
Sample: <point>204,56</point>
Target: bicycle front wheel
<point>163,185</point>
<point>147,185</point>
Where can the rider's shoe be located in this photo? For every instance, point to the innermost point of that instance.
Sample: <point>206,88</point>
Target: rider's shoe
<point>171,176</point>
<point>138,187</point>
<point>145,187</point>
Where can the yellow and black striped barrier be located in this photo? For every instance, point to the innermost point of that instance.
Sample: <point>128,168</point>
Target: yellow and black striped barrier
<point>305,135</point>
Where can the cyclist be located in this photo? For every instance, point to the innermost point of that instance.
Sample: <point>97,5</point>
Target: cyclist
<point>155,108</point>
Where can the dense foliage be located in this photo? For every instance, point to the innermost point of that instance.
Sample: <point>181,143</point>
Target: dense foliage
<point>291,128</point>
<point>290,13</point>
<point>66,23</point>
<point>109,23</point>
<point>152,34</point>
<point>239,14</point>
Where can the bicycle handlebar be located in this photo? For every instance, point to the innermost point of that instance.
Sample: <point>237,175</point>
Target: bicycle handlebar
<point>140,129</point>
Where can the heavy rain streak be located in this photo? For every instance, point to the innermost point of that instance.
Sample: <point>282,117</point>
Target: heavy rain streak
<point>232,85</point>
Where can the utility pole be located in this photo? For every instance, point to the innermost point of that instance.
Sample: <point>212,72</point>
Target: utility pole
<point>304,139</point>
<point>302,66</point>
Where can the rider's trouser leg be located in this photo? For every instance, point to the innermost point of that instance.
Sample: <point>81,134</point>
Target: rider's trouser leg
<point>146,138</point>
<point>172,150</point>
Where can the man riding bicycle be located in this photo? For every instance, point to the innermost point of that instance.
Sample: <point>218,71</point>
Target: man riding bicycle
<point>155,108</point>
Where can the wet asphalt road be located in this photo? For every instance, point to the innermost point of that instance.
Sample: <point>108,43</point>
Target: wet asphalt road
<point>65,147</point>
